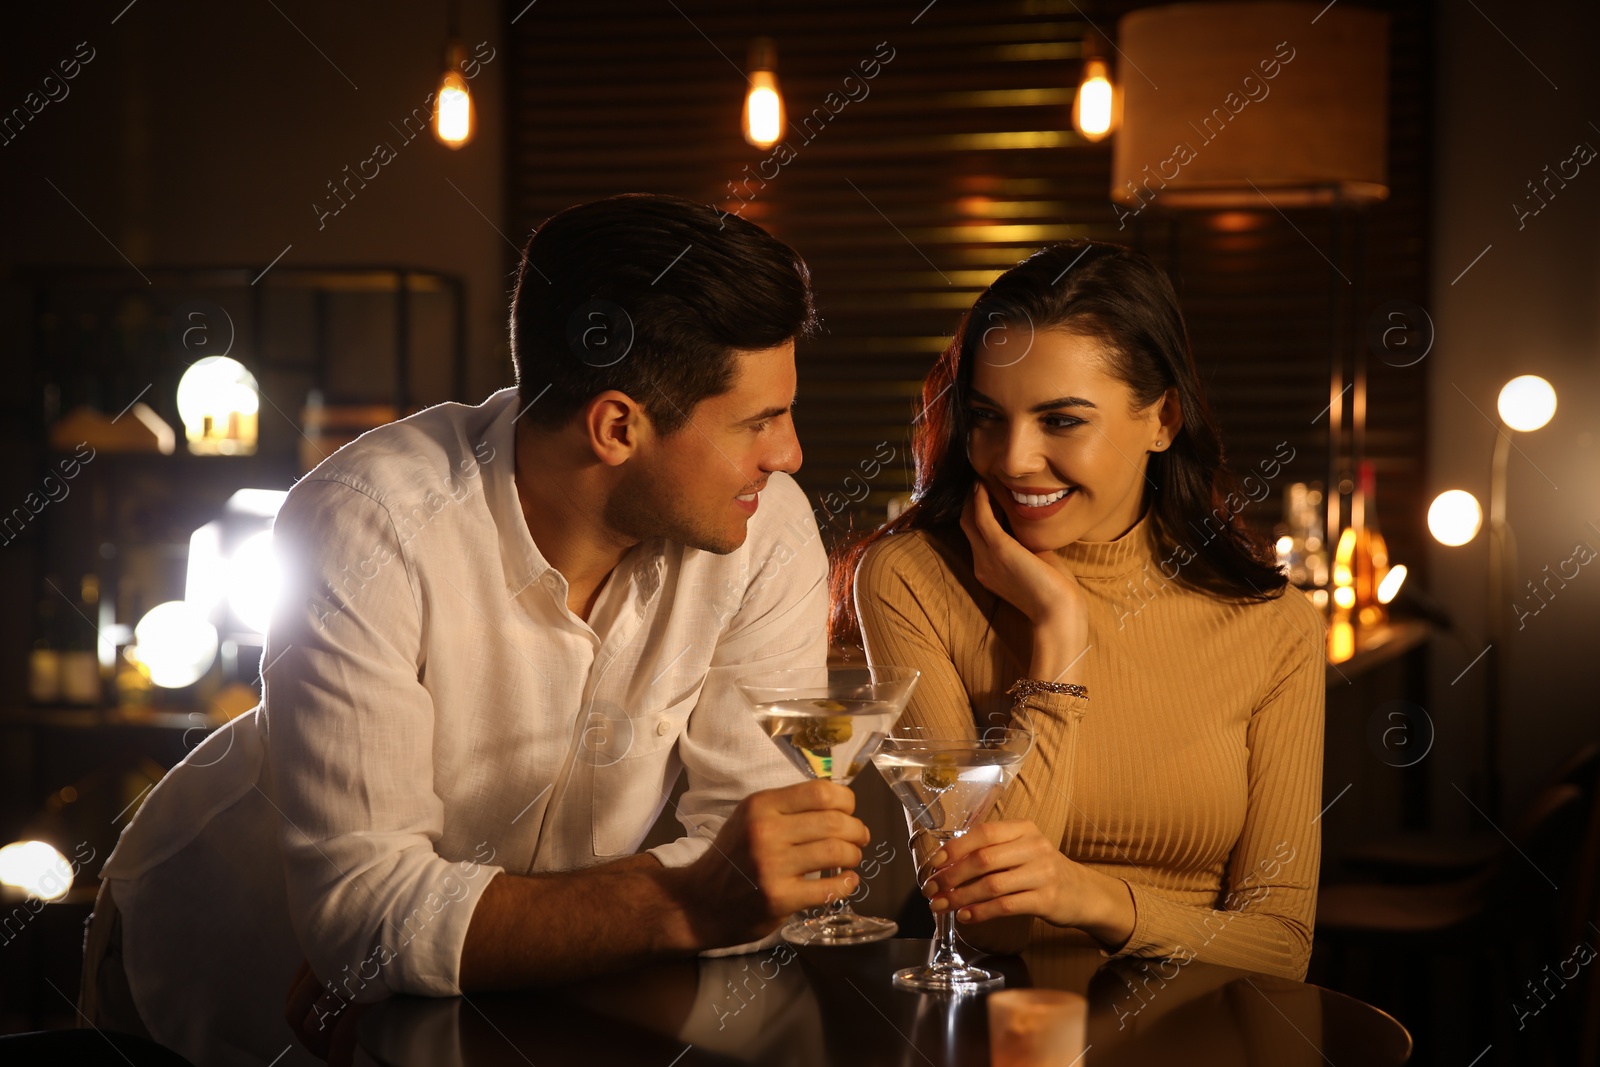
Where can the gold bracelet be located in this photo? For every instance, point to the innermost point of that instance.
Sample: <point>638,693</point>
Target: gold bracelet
<point>1027,687</point>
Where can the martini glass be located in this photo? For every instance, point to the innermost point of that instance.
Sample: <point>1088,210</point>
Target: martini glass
<point>829,721</point>
<point>947,785</point>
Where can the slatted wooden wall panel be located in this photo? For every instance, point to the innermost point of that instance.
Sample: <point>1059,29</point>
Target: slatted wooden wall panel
<point>953,162</point>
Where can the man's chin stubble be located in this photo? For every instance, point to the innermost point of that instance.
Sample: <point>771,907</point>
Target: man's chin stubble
<point>640,521</point>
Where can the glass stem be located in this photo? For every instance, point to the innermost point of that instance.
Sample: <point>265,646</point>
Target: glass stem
<point>944,955</point>
<point>839,905</point>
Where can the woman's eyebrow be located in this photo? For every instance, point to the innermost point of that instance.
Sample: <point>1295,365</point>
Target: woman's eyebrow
<point>1048,405</point>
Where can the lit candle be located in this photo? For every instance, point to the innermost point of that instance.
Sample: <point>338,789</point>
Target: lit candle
<point>1036,1027</point>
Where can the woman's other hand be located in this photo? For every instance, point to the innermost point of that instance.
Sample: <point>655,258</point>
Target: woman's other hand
<point>1001,869</point>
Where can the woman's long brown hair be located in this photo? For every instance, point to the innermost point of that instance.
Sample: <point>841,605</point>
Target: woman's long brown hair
<point>1121,299</point>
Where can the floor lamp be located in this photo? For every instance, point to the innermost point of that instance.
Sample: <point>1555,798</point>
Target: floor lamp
<point>1526,403</point>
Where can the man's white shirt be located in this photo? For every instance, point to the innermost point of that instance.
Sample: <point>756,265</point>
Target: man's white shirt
<point>433,715</point>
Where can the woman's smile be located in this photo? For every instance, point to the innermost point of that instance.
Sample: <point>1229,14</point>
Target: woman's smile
<point>1032,503</point>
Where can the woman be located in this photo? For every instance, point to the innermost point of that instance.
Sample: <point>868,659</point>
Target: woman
<point>1074,556</point>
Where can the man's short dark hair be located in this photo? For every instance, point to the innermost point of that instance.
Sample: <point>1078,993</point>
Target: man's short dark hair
<point>650,295</point>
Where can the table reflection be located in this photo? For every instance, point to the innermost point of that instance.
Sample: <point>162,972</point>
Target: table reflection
<point>788,1006</point>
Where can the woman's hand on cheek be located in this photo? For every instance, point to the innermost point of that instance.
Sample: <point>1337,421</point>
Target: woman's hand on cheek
<point>1029,581</point>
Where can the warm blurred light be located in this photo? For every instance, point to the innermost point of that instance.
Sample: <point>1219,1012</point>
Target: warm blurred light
<point>217,401</point>
<point>1341,640</point>
<point>175,644</point>
<point>1343,555</point>
<point>1454,517</point>
<point>253,579</point>
<point>35,868</point>
<point>260,503</point>
<point>454,117</point>
<point>763,103</point>
<point>230,559</point>
<point>1094,106</point>
<point>1285,545</point>
<point>1344,597</point>
<point>206,581</point>
<point>763,110</point>
<point>1527,403</point>
<point>1389,588</point>
<point>1237,221</point>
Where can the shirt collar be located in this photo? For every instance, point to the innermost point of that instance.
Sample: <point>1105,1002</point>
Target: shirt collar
<point>520,559</point>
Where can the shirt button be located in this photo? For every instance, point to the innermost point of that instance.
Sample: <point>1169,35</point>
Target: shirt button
<point>550,580</point>
<point>663,728</point>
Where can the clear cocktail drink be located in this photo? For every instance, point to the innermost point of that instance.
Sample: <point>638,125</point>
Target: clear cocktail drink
<point>947,785</point>
<point>828,722</point>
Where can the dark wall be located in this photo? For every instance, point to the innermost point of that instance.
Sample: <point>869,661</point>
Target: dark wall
<point>1517,91</point>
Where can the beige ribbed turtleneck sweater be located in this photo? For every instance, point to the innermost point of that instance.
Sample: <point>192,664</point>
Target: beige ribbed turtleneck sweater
<point>1193,770</point>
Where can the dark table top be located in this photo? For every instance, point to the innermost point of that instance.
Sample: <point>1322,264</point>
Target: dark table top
<point>836,1006</point>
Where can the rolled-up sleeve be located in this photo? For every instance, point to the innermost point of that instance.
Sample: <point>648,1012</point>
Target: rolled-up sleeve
<point>781,622</point>
<point>350,731</point>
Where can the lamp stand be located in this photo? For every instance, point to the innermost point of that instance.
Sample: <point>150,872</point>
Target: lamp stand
<point>1502,557</point>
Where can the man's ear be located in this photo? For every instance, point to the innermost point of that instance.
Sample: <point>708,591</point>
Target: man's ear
<point>615,427</point>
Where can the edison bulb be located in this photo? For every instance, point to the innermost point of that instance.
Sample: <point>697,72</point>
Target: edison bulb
<point>763,110</point>
<point>453,112</point>
<point>1094,106</point>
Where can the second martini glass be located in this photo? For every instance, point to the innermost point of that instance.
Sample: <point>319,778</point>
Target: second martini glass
<point>829,721</point>
<point>947,785</point>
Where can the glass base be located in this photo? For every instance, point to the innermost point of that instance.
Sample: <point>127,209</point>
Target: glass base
<point>846,929</point>
<point>936,978</point>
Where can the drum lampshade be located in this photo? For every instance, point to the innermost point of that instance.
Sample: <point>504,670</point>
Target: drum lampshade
<point>1225,104</point>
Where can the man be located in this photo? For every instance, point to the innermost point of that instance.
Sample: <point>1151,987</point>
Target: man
<point>504,632</point>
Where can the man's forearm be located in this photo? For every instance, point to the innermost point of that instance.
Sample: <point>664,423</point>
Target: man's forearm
<point>556,928</point>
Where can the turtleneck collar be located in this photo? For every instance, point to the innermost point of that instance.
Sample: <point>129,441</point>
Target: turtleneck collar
<point>1112,559</point>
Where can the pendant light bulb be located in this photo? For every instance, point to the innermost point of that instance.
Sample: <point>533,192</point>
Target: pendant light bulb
<point>763,103</point>
<point>455,118</point>
<point>1096,106</point>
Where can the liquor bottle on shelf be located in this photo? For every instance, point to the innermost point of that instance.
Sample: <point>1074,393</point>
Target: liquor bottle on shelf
<point>130,679</point>
<point>1362,558</point>
<point>1301,547</point>
<point>80,654</point>
<point>44,659</point>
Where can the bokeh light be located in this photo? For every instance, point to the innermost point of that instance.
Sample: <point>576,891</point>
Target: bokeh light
<point>36,868</point>
<point>1454,517</point>
<point>1527,403</point>
<point>175,643</point>
<point>253,579</point>
<point>1389,588</point>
